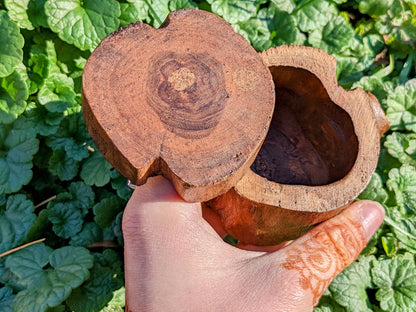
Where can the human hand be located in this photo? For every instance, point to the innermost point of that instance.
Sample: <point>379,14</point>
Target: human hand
<point>176,261</point>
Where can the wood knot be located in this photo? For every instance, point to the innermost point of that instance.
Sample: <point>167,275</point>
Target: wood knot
<point>182,79</point>
<point>187,91</point>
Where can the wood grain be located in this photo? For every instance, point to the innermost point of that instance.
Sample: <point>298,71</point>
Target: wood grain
<point>319,155</point>
<point>311,140</point>
<point>191,100</point>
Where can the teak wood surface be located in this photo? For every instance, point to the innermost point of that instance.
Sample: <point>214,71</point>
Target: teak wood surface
<point>191,100</point>
<point>319,155</point>
<point>269,141</point>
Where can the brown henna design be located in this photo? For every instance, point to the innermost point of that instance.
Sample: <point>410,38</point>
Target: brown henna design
<point>330,247</point>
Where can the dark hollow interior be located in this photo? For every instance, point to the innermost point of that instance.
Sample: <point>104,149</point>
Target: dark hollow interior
<point>311,140</point>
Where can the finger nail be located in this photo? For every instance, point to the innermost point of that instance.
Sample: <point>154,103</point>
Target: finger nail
<point>372,215</point>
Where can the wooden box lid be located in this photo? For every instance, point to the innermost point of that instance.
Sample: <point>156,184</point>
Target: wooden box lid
<point>191,100</point>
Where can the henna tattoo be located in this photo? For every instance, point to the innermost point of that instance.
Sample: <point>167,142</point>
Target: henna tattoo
<point>330,247</point>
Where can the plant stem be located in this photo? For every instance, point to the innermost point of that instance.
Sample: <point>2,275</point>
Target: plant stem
<point>396,227</point>
<point>21,247</point>
<point>45,201</point>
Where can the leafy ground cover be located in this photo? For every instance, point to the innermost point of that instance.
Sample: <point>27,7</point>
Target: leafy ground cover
<point>56,186</point>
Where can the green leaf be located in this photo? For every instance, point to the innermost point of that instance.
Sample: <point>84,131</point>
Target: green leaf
<point>94,294</point>
<point>371,45</point>
<point>51,286</point>
<point>106,276</point>
<point>6,299</point>
<point>16,140</point>
<point>83,195</point>
<point>375,7</point>
<point>110,258</point>
<point>39,227</point>
<point>326,308</point>
<point>96,170</point>
<point>375,190</point>
<point>119,183</point>
<point>90,233</point>
<point>79,195</point>
<point>71,61</point>
<point>10,280</point>
<point>63,166</point>
<point>36,13</point>
<point>402,146</point>
<point>116,228</point>
<point>117,303</point>
<point>327,304</point>
<point>133,11</point>
<point>404,228</point>
<point>13,95</point>
<point>407,67</point>
<point>16,219</point>
<point>11,44</point>
<point>58,308</point>
<point>401,107</point>
<point>357,60</point>
<point>44,44</point>
<point>17,10</point>
<point>386,24</point>
<point>106,211</point>
<point>349,288</point>
<point>159,10</point>
<point>66,219</point>
<point>396,280</point>
<point>72,136</point>
<point>27,14</point>
<point>234,11</point>
<point>312,14</point>
<point>68,210</point>
<point>390,245</point>
<point>284,28</point>
<point>375,85</point>
<point>72,261</point>
<point>45,123</point>
<point>270,27</point>
<point>62,57</point>
<point>181,4</point>
<point>333,36</point>
<point>403,183</point>
<point>83,23</point>
<point>57,93</point>
<point>27,264</point>
<point>285,5</point>
<point>256,30</point>
<point>38,70</point>
<point>17,147</point>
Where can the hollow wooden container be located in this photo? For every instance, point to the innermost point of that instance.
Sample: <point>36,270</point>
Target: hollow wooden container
<point>269,141</point>
<point>319,155</point>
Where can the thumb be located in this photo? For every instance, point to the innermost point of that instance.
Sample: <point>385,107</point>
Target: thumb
<point>320,255</point>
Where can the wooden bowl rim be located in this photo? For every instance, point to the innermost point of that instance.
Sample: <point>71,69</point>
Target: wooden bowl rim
<point>356,103</point>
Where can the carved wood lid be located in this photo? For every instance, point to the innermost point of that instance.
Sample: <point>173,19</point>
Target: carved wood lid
<point>191,100</point>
